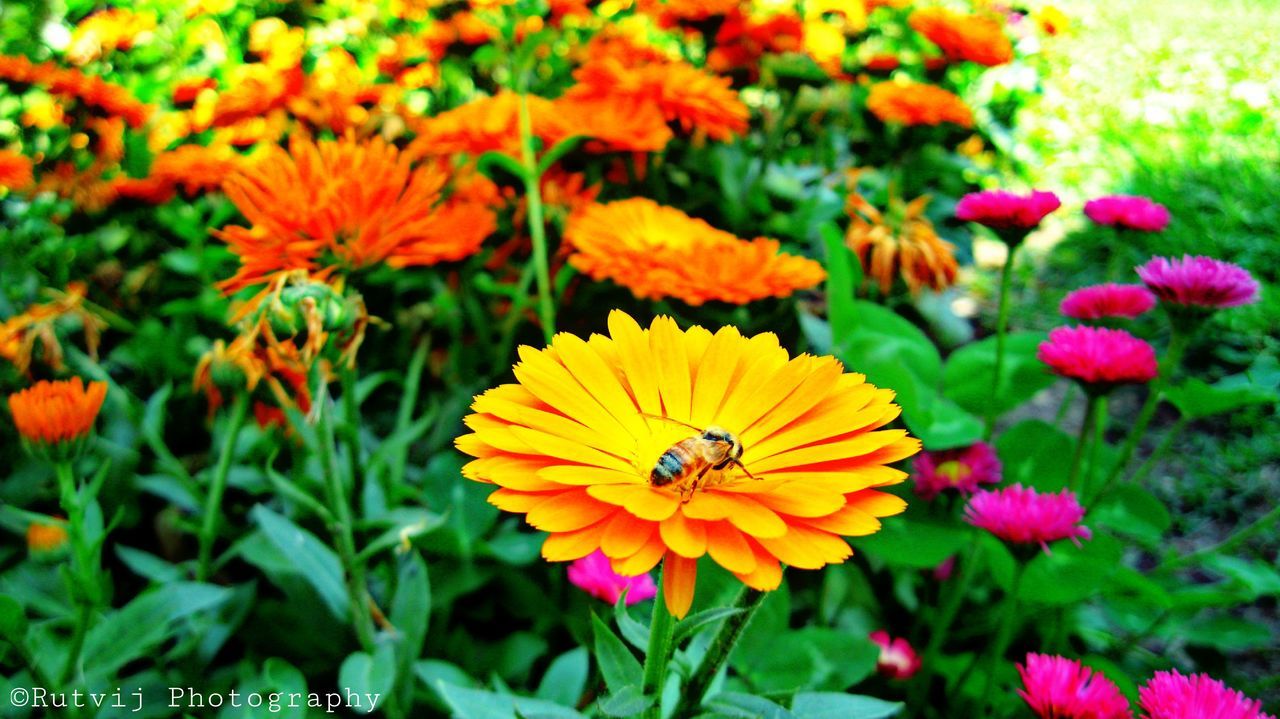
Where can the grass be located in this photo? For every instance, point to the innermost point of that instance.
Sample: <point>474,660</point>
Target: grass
<point>1176,100</point>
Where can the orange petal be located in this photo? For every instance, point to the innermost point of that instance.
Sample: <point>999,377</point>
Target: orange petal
<point>816,386</point>
<point>510,500</point>
<point>858,446</point>
<point>767,575</point>
<point>679,576</point>
<point>567,546</point>
<point>513,473</point>
<point>800,499</point>
<point>641,500</point>
<point>550,422</point>
<point>763,360</point>
<point>567,511</point>
<point>686,537</point>
<point>729,548</point>
<point>626,535</point>
<point>877,504</point>
<point>643,560</point>
<point>568,450</point>
<point>744,512</point>
<point>850,521</point>
<point>807,548</point>
<point>586,475</point>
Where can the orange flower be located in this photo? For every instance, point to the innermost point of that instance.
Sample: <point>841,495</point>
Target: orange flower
<point>335,95</point>
<point>107,31</point>
<point>908,246</point>
<point>87,190</point>
<point>693,99</point>
<point>485,124</point>
<point>51,413</point>
<point>19,334</point>
<point>669,13</point>
<point>615,125</point>
<point>15,170</point>
<point>657,251</point>
<point>744,38</point>
<point>913,103</point>
<point>195,168</point>
<point>964,37</point>
<point>255,90</point>
<point>793,447</point>
<point>46,538</point>
<point>360,203</point>
<point>94,92</point>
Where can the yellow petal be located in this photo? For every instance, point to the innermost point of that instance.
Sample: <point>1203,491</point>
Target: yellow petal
<point>878,504</point>
<point>767,575</point>
<point>641,500</point>
<point>686,537</point>
<point>561,448</point>
<point>553,384</point>
<point>807,548</point>
<point>549,422</point>
<point>643,560</point>
<point>850,521</point>
<point>567,546</point>
<point>518,473</point>
<point>626,535</point>
<point>600,381</point>
<point>761,391</point>
<point>813,389</point>
<point>510,500</point>
<point>742,510</point>
<point>568,511</point>
<point>637,361</point>
<point>672,363</point>
<point>714,372</point>
<point>802,500</point>
<point>729,548</point>
<point>586,475</point>
<point>857,446</point>
<point>679,577</point>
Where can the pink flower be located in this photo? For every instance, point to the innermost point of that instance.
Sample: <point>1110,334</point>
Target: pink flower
<point>1002,210</point>
<point>959,469</point>
<point>1199,282</point>
<point>594,575</point>
<point>1128,211</point>
<point>1109,300</point>
<point>943,571</point>
<point>1097,357</point>
<point>898,660</point>
<point>1022,515</point>
<point>1060,688</point>
<point>1170,695</point>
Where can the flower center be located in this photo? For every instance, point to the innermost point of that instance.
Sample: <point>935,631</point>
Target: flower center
<point>954,471</point>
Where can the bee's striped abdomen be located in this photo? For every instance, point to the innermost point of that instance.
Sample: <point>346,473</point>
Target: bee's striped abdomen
<point>674,464</point>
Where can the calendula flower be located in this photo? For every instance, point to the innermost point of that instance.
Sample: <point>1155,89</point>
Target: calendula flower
<point>744,37</point>
<point>1171,695</point>
<point>346,201</point>
<point>193,168</point>
<point>914,103</point>
<point>229,368</point>
<point>486,124</point>
<point>963,470</point>
<point>1007,212</point>
<point>898,659</point>
<point>20,334</point>
<point>583,443</point>
<point>1098,358</point>
<point>54,417</point>
<point>594,575</point>
<point>902,244</point>
<point>1199,282</point>
<point>658,251</point>
<point>975,38</point>
<point>670,13</point>
<point>253,91</point>
<point>336,95</point>
<point>621,125</point>
<point>1061,688</point>
<point>46,538</point>
<point>1021,515</point>
<point>94,92</point>
<point>15,170</point>
<point>1098,302</point>
<point>107,31</point>
<point>1129,212</point>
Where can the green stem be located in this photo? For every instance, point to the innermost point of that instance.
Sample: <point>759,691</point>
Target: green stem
<point>218,486</point>
<point>942,627</point>
<point>662,629</point>
<point>1009,615</point>
<point>85,588</point>
<point>691,695</point>
<point>1002,323</point>
<point>1082,440</point>
<point>343,532</point>
<point>1259,525</point>
<point>351,429</point>
<point>537,226</point>
<point>1177,347</point>
<point>1099,432</point>
<point>1149,464</point>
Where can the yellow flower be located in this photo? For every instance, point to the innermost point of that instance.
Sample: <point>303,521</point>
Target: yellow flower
<point>783,455</point>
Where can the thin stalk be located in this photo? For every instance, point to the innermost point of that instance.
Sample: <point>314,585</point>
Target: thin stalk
<point>1002,323</point>
<point>343,534</point>
<point>942,627</point>
<point>84,569</point>
<point>351,429</point>
<point>1082,440</point>
<point>1259,525</point>
<point>1177,347</point>
<point>1149,464</point>
<point>218,487</point>
<point>662,629</point>
<point>1009,615</point>
<point>691,695</point>
<point>1099,433</point>
<point>537,226</point>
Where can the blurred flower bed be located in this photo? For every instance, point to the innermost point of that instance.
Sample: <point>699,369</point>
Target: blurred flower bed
<point>303,303</point>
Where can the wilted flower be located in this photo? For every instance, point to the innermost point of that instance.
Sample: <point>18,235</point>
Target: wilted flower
<point>1199,282</point>
<point>964,37</point>
<point>54,417</point>
<point>1007,211</point>
<point>1099,302</point>
<point>898,660</point>
<point>915,103</point>
<point>904,244</point>
<point>1129,212</point>
<point>576,446</point>
<point>1061,688</point>
<point>658,251</point>
<point>594,575</point>
<point>1098,358</point>
<point>1022,515</point>
<point>963,470</point>
<point>20,334</point>
<point>1170,695</point>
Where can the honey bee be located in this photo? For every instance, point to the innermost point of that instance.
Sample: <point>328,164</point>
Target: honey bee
<point>711,448</point>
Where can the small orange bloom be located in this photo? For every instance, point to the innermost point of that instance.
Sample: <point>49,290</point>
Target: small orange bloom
<point>744,38</point>
<point>964,37</point>
<point>45,538</point>
<point>55,412</point>
<point>913,103</point>
<point>15,170</point>
<point>485,124</point>
<point>669,13</point>
<point>94,92</point>
<point>659,251</point>
<point>905,244</point>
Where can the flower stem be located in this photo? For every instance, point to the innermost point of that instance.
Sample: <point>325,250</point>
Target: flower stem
<point>351,428</point>
<point>1259,525</point>
<point>691,695</point>
<point>1009,614</point>
<point>1177,347</point>
<point>537,226</point>
<point>1082,440</point>
<point>662,629</point>
<point>218,486</point>
<point>1002,323</point>
<point>85,589</point>
<point>942,626</point>
<point>1149,464</point>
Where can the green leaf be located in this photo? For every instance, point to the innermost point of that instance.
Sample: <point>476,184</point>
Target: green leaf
<point>941,424</point>
<point>829,705</point>
<point>312,559</point>
<point>626,703</point>
<point>410,611</point>
<point>1260,578</point>
<point>370,677</point>
<point>149,566</point>
<point>1224,633</point>
<point>1133,512</point>
<point>1070,574</point>
<point>691,624</point>
<point>636,634</point>
<point>479,704</point>
<point>143,624</point>
<point>557,151</point>
<point>920,544</point>
<point>735,705</point>
<point>13,621</point>
<point>283,677</point>
<point>1197,399</point>
<point>493,159</point>
<point>617,663</point>
<point>842,280</point>
<point>1035,454</point>
<point>566,678</point>
<point>967,378</point>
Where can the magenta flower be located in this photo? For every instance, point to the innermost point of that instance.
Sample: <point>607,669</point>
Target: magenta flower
<point>1098,358</point>
<point>1001,210</point>
<point>1170,695</point>
<point>1110,300</point>
<point>898,660</point>
<point>1199,282</point>
<point>1021,515</point>
<point>594,575</point>
<point>1128,211</point>
<point>1061,688</point>
<point>959,469</point>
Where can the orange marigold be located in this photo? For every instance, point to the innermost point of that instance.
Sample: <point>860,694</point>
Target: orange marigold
<point>914,103</point>
<point>906,245</point>
<point>485,124</point>
<point>54,412</point>
<point>357,202</point>
<point>581,445</point>
<point>107,31</point>
<point>15,170</point>
<point>975,38</point>
<point>46,537</point>
<point>658,251</point>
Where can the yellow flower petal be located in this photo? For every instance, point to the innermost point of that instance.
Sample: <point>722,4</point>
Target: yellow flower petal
<point>640,500</point>
<point>568,511</point>
<point>672,361</point>
<point>686,537</point>
<point>729,548</point>
<point>637,362</point>
<point>567,546</point>
<point>626,535</point>
<point>645,558</point>
<point>828,451</point>
<point>716,368</point>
